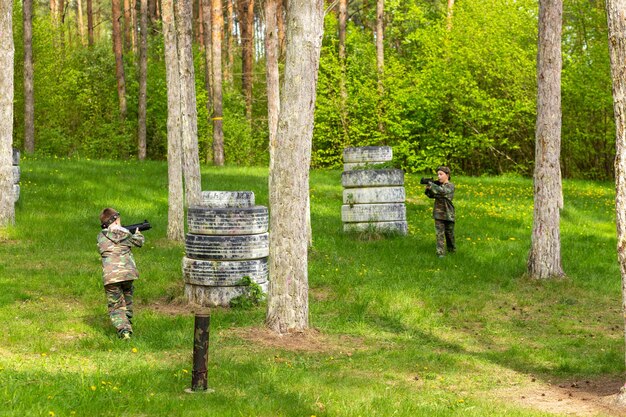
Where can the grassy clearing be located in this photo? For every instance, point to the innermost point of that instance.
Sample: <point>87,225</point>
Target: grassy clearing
<point>398,331</point>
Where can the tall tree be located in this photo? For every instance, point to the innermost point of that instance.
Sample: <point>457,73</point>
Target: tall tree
<point>245,12</point>
<point>90,39</point>
<point>175,213</point>
<point>208,54</point>
<point>191,160</point>
<point>230,42</point>
<point>116,16</point>
<point>127,25</point>
<point>449,16</point>
<point>7,56</point>
<point>143,80</point>
<point>29,96</point>
<point>544,260</point>
<point>616,12</point>
<point>287,308</point>
<point>280,24</point>
<point>271,72</point>
<point>217,28</point>
<point>80,21</point>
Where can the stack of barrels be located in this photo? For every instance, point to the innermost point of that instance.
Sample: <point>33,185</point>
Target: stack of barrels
<point>16,174</point>
<point>227,240</point>
<point>373,196</point>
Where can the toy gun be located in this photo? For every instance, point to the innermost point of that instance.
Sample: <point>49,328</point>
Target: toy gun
<point>426,181</point>
<point>141,226</point>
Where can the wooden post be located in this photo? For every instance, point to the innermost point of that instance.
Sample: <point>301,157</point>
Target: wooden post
<point>200,351</point>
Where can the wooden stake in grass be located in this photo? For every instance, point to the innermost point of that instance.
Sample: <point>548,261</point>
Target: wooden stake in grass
<point>199,380</point>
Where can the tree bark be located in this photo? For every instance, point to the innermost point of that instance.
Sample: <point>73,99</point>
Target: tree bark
<point>217,23</point>
<point>191,160</point>
<point>143,80</point>
<point>288,308</point>
<point>175,214</point>
<point>116,16</point>
<point>81,21</point>
<point>230,46</point>
<point>449,16</point>
<point>29,96</point>
<point>272,74</point>
<point>616,18</point>
<point>90,39</point>
<point>208,53</point>
<point>280,24</point>
<point>127,25</point>
<point>7,56</point>
<point>545,253</point>
<point>246,27</point>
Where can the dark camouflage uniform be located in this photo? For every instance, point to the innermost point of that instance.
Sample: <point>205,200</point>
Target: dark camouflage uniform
<point>119,272</point>
<point>443,213</point>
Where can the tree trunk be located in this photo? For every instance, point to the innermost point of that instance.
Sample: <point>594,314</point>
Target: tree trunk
<point>280,24</point>
<point>272,74</point>
<point>380,61</point>
<point>615,10</point>
<point>449,16</point>
<point>81,21</point>
<point>116,14</point>
<point>246,28</point>
<point>230,46</point>
<point>133,33</point>
<point>127,25</point>
<point>217,23</point>
<point>287,308</point>
<point>90,39</point>
<point>191,160</point>
<point>208,53</point>
<point>143,80</point>
<point>7,56</point>
<point>175,214</point>
<point>29,97</point>
<point>61,15</point>
<point>545,253</point>
<point>343,92</point>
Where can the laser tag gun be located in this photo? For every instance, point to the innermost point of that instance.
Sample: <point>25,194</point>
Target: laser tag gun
<point>426,181</point>
<point>141,226</point>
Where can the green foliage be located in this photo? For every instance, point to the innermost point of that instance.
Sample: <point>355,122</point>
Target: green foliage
<point>252,297</point>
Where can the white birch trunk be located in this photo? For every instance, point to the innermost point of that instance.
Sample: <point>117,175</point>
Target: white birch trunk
<point>544,260</point>
<point>616,17</point>
<point>288,308</point>
<point>7,56</point>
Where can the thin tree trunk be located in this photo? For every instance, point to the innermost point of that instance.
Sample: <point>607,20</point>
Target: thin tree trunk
<point>7,56</point>
<point>380,61</point>
<point>615,10</point>
<point>127,26</point>
<point>230,46</point>
<point>116,14</point>
<point>217,23</point>
<point>545,253</point>
<point>175,213</point>
<point>449,16</point>
<point>287,308</point>
<point>191,161</point>
<point>90,39</point>
<point>61,15</point>
<point>29,97</point>
<point>272,74</point>
<point>202,24</point>
<point>208,53</point>
<point>143,80</point>
<point>81,21</point>
<point>246,28</point>
<point>133,32</point>
<point>280,24</point>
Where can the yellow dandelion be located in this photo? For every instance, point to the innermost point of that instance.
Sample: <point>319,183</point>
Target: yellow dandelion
<point>93,387</point>
<point>51,413</point>
<point>44,354</point>
<point>185,371</point>
<point>134,350</point>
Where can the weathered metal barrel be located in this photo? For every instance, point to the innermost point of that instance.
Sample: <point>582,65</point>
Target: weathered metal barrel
<point>373,197</point>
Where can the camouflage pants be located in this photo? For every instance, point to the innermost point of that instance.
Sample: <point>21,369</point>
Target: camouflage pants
<point>120,304</point>
<point>445,234</point>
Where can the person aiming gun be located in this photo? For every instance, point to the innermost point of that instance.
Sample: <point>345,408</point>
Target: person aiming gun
<point>442,191</point>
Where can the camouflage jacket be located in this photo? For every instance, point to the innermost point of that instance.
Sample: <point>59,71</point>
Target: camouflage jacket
<point>118,264</point>
<point>443,195</point>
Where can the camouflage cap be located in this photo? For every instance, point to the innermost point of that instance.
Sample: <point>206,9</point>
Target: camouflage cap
<point>444,169</point>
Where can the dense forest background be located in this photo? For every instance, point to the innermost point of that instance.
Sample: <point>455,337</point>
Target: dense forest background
<point>459,89</point>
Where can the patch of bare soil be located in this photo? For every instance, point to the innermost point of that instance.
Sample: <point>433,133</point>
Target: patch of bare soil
<point>176,307</point>
<point>589,398</point>
<point>311,340</point>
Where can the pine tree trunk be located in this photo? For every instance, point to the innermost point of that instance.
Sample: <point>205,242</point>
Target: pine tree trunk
<point>287,308</point>
<point>127,26</point>
<point>90,39</point>
<point>230,46</point>
<point>116,16</point>
<point>280,24</point>
<point>217,28</point>
<point>246,27</point>
<point>615,11</point>
<point>29,97</point>
<point>143,80</point>
<point>80,21</point>
<point>208,53</point>
<point>175,214</point>
<point>272,74</point>
<point>191,161</point>
<point>7,56</point>
<point>545,254</point>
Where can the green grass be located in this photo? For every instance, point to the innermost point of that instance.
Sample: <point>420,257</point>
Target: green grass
<point>386,311</point>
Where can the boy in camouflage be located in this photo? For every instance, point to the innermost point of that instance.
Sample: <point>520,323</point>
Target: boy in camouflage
<point>443,210</point>
<point>118,269</point>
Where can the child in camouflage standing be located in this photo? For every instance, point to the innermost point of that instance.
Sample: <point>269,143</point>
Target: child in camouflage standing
<point>118,269</point>
<point>443,210</point>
